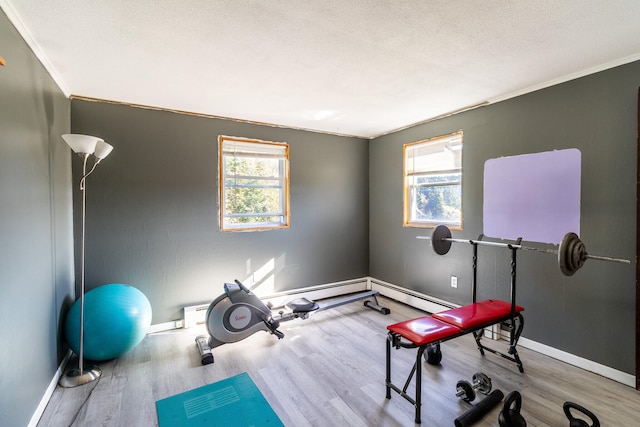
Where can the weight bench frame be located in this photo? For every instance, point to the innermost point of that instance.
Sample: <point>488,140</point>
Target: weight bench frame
<point>427,331</point>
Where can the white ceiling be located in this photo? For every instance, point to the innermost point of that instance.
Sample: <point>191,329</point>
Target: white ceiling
<point>350,67</point>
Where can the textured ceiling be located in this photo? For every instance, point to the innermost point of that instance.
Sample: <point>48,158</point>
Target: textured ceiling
<point>359,67</point>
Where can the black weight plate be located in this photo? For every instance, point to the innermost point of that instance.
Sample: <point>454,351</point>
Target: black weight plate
<point>438,242</point>
<point>571,254</point>
<point>465,391</point>
<point>482,382</point>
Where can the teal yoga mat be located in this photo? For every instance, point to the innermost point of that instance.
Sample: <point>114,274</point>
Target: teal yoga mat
<point>235,401</point>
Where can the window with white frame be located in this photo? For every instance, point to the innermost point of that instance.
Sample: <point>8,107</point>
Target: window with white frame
<point>433,182</point>
<point>254,184</point>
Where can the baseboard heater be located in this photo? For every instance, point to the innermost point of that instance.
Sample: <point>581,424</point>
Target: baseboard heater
<point>414,299</point>
<point>195,315</point>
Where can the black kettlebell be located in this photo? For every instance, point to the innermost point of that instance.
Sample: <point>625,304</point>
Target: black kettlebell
<point>576,422</point>
<point>511,417</point>
<point>433,354</point>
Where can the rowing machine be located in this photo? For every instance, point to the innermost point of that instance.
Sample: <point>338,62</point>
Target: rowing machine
<point>238,313</point>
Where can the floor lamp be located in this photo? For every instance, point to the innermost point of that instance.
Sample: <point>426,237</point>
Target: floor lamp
<point>85,146</point>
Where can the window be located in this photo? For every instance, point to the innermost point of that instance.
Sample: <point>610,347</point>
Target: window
<point>254,184</point>
<point>433,182</point>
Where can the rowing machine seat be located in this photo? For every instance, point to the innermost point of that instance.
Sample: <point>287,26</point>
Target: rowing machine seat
<point>302,305</point>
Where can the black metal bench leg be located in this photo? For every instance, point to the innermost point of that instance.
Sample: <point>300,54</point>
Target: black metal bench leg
<point>388,381</point>
<point>513,340</point>
<point>477,335</point>
<point>419,383</point>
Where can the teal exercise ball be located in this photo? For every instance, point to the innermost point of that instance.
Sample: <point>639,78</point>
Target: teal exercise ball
<point>116,318</point>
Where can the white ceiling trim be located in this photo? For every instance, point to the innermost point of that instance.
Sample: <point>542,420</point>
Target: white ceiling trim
<point>583,73</point>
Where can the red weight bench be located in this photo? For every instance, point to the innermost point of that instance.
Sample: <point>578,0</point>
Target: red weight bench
<point>428,332</point>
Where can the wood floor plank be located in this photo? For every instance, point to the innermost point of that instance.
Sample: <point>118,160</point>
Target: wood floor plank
<point>329,370</point>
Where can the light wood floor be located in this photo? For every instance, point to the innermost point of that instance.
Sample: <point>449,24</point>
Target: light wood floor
<point>329,370</point>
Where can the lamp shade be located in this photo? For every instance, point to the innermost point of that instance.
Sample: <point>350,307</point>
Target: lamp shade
<point>102,149</point>
<point>81,143</point>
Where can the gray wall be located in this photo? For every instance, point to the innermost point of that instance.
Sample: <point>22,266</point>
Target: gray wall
<point>591,314</point>
<point>36,249</point>
<point>152,208</point>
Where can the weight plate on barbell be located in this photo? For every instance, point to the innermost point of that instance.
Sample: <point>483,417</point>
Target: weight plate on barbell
<point>571,254</point>
<point>439,245</point>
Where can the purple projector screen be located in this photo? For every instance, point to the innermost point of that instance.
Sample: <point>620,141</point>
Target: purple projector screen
<point>533,196</point>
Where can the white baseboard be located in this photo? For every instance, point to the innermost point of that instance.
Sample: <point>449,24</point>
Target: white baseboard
<point>35,418</point>
<point>409,297</point>
<point>319,292</point>
<point>166,326</point>
<point>580,362</point>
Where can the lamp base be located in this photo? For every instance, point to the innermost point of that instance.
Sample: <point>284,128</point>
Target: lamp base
<point>75,377</point>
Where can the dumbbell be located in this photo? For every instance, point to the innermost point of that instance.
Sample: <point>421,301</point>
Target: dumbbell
<point>466,390</point>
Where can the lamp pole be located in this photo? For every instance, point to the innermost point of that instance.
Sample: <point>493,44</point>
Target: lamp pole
<point>85,146</point>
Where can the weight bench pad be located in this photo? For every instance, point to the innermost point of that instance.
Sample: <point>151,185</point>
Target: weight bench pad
<point>475,315</point>
<point>424,330</point>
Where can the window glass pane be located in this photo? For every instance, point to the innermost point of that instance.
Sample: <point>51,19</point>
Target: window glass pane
<point>253,200</point>
<point>439,204</point>
<point>248,166</point>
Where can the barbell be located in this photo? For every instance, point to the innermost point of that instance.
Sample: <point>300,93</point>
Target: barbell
<point>571,253</point>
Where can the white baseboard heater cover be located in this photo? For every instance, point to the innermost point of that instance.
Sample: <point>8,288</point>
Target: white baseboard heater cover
<point>195,315</point>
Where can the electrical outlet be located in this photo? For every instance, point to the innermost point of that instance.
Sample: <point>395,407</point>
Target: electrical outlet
<point>454,281</point>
